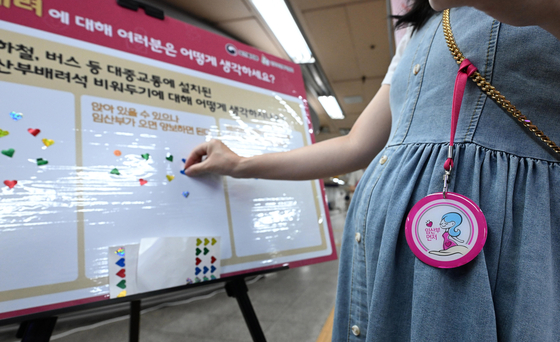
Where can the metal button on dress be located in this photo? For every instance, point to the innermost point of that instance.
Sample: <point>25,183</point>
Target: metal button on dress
<point>358,237</point>
<point>383,160</point>
<point>356,330</point>
<point>416,69</point>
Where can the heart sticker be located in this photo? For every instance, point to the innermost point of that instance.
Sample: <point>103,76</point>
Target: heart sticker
<point>143,181</point>
<point>121,273</point>
<point>197,271</point>
<point>213,269</point>
<point>10,184</point>
<point>115,172</point>
<point>16,116</point>
<point>183,172</point>
<point>206,269</point>
<point>205,278</point>
<point>120,262</point>
<point>120,252</point>
<point>9,152</point>
<point>186,194</point>
<point>206,241</point>
<point>3,133</point>
<point>146,156</point>
<point>429,223</point>
<point>169,157</point>
<point>189,281</point>
<point>198,251</point>
<point>197,280</point>
<point>206,251</point>
<point>198,261</point>
<point>122,294</point>
<point>34,131</point>
<point>212,260</point>
<point>170,177</point>
<point>213,277</point>
<point>47,142</point>
<point>122,284</point>
<point>214,241</point>
<point>41,161</point>
<point>198,242</point>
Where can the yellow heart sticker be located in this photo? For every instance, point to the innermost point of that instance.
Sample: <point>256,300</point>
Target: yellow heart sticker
<point>47,142</point>
<point>170,177</point>
<point>3,133</point>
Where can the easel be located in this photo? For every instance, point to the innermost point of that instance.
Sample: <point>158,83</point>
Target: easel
<point>40,329</point>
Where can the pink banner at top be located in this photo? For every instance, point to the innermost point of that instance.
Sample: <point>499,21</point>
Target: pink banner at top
<point>169,40</point>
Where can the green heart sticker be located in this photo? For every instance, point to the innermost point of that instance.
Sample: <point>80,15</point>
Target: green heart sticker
<point>9,152</point>
<point>41,161</point>
<point>4,133</point>
<point>206,251</point>
<point>146,156</point>
<point>198,251</point>
<point>115,172</point>
<point>170,158</point>
<point>122,284</point>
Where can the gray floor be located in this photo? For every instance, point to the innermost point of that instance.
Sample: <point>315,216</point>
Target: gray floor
<point>291,305</point>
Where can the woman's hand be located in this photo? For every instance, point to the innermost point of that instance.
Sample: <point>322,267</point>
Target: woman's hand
<point>219,159</point>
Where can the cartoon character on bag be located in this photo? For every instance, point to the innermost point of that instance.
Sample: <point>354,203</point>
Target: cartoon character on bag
<point>449,225</point>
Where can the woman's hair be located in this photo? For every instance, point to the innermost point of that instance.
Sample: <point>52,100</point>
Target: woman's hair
<point>419,13</point>
<point>453,217</point>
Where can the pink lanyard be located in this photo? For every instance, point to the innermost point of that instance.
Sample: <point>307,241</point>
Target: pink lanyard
<point>466,69</point>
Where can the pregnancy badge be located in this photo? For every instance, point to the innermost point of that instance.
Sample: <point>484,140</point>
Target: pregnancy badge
<point>447,229</point>
<point>445,232</point>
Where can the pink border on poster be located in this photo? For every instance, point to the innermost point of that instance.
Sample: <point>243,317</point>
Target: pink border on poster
<point>479,218</point>
<point>283,76</point>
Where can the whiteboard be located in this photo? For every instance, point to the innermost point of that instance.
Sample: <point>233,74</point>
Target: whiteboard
<point>117,112</point>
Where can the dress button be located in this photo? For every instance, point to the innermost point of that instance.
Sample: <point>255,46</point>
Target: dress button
<point>383,160</point>
<point>416,69</point>
<point>355,330</point>
<point>358,237</point>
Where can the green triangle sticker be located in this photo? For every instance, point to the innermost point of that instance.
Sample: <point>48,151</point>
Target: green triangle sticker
<point>122,284</point>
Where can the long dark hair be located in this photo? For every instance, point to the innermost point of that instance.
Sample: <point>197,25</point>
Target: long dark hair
<point>419,13</point>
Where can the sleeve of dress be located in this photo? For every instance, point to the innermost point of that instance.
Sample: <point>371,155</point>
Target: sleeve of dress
<point>397,57</point>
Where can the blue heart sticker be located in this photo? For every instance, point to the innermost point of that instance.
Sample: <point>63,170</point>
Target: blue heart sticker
<point>120,262</point>
<point>197,271</point>
<point>205,270</point>
<point>212,269</point>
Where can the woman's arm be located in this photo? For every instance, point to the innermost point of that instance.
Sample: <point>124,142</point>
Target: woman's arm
<point>327,158</point>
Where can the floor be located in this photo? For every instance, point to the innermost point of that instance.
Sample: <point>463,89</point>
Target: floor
<point>292,305</point>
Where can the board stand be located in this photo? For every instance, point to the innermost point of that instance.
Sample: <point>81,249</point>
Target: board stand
<point>238,288</point>
<point>37,330</point>
<point>134,323</point>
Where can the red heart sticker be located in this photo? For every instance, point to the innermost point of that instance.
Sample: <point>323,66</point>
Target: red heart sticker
<point>198,261</point>
<point>121,273</point>
<point>34,131</point>
<point>143,181</point>
<point>10,184</point>
<point>213,260</point>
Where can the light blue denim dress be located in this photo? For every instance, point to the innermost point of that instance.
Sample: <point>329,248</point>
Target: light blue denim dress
<point>511,290</point>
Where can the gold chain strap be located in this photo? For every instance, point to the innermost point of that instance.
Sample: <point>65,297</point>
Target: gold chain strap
<point>486,87</point>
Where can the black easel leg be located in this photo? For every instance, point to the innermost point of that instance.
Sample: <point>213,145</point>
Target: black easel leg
<point>37,330</point>
<point>134,334</point>
<point>238,289</point>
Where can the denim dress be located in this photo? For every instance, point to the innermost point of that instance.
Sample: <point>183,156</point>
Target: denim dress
<point>511,290</point>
